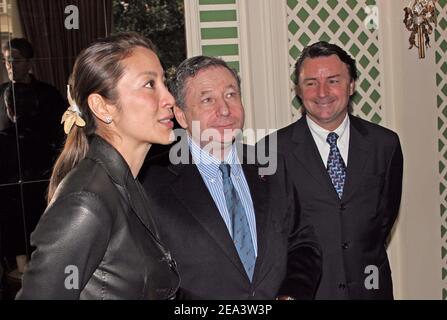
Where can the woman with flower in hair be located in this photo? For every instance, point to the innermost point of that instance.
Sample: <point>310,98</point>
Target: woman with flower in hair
<point>96,239</point>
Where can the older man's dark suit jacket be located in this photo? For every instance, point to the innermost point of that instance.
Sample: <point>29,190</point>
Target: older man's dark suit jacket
<point>289,259</point>
<point>352,230</point>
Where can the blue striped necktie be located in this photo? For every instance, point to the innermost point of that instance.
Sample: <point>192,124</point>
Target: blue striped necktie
<point>239,222</point>
<point>335,164</point>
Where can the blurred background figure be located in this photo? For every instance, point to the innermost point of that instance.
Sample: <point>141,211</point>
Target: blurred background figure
<point>47,101</point>
<point>39,50</point>
<point>30,137</point>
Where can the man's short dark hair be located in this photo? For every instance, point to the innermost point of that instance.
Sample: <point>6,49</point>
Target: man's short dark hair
<point>325,49</point>
<point>189,69</point>
<point>20,44</point>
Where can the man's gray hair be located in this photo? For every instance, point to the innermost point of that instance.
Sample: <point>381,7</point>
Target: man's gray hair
<point>189,69</point>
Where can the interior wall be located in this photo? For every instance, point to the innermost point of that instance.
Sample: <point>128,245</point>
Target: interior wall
<point>15,20</point>
<point>410,89</point>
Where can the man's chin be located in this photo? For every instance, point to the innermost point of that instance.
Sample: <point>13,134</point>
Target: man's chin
<point>227,142</point>
<point>222,144</point>
<point>216,147</point>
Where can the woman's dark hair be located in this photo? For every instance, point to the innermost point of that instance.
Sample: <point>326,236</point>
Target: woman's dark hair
<point>97,69</point>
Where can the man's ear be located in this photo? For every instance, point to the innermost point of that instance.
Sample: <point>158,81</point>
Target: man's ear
<point>181,117</point>
<point>298,90</point>
<point>352,87</point>
<point>100,108</point>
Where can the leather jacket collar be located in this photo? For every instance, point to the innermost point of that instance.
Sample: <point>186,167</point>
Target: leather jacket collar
<point>113,162</point>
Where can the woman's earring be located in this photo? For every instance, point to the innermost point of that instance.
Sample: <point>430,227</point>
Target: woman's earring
<point>108,119</point>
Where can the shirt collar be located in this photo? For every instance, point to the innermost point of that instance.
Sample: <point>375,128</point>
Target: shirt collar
<point>322,133</point>
<point>208,165</point>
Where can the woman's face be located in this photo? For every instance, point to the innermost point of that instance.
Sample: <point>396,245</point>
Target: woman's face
<point>144,115</point>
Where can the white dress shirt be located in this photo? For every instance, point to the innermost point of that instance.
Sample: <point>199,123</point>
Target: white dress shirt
<point>320,135</point>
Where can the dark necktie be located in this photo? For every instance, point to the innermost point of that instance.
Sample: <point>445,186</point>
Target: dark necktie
<point>335,164</point>
<point>239,222</point>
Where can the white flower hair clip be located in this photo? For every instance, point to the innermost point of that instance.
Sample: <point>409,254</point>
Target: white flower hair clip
<point>72,115</point>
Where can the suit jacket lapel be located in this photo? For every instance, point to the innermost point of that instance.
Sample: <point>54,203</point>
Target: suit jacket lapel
<point>306,152</point>
<point>192,192</point>
<point>259,193</point>
<point>358,154</point>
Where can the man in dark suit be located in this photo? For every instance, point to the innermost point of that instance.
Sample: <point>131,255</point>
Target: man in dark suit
<point>234,232</point>
<point>348,173</point>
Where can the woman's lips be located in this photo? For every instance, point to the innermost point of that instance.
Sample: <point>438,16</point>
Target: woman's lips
<point>167,122</point>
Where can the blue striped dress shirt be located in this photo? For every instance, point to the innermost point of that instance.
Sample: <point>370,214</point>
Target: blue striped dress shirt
<point>209,170</point>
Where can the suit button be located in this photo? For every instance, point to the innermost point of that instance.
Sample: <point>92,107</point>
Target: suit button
<point>345,245</point>
<point>342,286</point>
<point>342,207</point>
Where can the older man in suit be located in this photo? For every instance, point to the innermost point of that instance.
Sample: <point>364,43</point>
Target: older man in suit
<point>348,173</point>
<point>234,232</point>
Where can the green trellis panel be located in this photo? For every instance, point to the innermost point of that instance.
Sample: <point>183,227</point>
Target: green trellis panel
<point>344,23</point>
<point>203,2</point>
<point>218,15</point>
<point>219,30</point>
<point>219,33</point>
<point>441,81</point>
